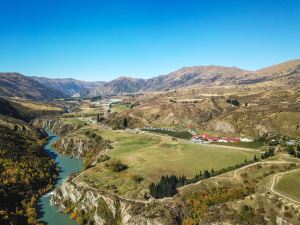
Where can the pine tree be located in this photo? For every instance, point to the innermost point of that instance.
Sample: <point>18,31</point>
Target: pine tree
<point>206,174</point>
<point>255,158</point>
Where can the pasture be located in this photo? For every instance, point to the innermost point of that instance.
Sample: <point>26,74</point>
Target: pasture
<point>152,156</point>
<point>120,107</point>
<point>289,185</point>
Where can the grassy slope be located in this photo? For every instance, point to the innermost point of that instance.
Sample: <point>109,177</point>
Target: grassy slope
<point>289,185</point>
<point>288,122</point>
<point>121,107</point>
<point>152,156</point>
<point>254,145</point>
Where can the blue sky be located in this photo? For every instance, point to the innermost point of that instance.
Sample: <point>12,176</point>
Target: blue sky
<point>101,40</point>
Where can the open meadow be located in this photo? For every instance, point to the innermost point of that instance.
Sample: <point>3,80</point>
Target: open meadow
<point>289,185</point>
<point>151,156</point>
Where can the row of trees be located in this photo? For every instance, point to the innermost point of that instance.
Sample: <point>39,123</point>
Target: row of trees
<point>268,153</point>
<point>166,187</point>
<point>177,134</point>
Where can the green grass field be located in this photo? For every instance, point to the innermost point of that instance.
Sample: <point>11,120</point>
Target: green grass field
<point>121,107</point>
<point>75,122</point>
<point>152,156</point>
<point>254,145</point>
<point>289,185</point>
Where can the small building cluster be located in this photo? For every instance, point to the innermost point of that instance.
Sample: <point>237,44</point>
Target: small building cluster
<point>206,139</point>
<point>105,102</point>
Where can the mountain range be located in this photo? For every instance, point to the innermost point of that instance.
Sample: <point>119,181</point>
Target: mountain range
<point>40,88</point>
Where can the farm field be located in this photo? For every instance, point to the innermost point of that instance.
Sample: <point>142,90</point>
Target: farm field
<point>152,156</point>
<point>254,145</point>
<point>121,107</point>
<point>289,185</point>
<point>74,121</point>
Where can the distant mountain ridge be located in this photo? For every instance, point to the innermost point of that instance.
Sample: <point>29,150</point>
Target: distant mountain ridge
<point>69,86</point>
<point>16,84</point>
<point>287,73</point>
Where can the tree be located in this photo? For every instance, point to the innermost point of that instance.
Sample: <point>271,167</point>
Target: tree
<point>255,158</point>
<point>125,122</point>
<point>290,150</point>
<point>166,187</point>
<point>206,174</point>
<point>31,220</point>
<point>233,101</point>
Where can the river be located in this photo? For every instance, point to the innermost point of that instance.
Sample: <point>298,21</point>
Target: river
<point>47,213</point>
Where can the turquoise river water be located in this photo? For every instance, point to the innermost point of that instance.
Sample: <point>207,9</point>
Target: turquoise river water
<point>47,213</point>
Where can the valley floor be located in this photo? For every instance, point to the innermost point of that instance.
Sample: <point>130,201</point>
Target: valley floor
<point>150,156</point>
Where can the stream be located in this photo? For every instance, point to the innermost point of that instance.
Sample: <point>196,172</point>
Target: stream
<point>47,213</point>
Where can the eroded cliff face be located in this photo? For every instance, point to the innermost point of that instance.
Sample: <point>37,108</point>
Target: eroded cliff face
<point>96,207</point>
<point>74,147</point>
<point>56,125</point>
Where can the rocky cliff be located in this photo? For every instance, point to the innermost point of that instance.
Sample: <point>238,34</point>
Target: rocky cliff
<point>56,125</point>
<point>92,206</point>
<point>73,147</point>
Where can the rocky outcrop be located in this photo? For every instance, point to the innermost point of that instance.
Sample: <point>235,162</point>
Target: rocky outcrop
<point>222,126</point>
<point>56,125</point>
<point>99,208</point>
<point>74,147</point>
<point>19,125</point>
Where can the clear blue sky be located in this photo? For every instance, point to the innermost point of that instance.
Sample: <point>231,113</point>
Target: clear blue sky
<point>101,40</point>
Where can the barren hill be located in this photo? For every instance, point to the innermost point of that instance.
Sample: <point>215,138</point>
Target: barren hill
<point>15,84</point>
<point>284,74</point>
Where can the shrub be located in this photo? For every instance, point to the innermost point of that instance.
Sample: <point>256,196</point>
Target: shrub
<point>233,101</point>
<point>103,158</point>
<point>117,166</point>
<point>137,178</point>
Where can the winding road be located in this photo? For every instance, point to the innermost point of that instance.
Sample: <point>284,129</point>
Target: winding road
<point>235,173</point>
<point>274,181</point>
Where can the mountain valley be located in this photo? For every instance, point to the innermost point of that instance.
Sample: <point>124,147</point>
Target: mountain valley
<point>201,145</point>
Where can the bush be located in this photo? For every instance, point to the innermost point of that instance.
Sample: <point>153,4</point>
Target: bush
<point>137,178</point>
<point>103,158</point>
<point>117,166</point>
<point>233,101</point>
